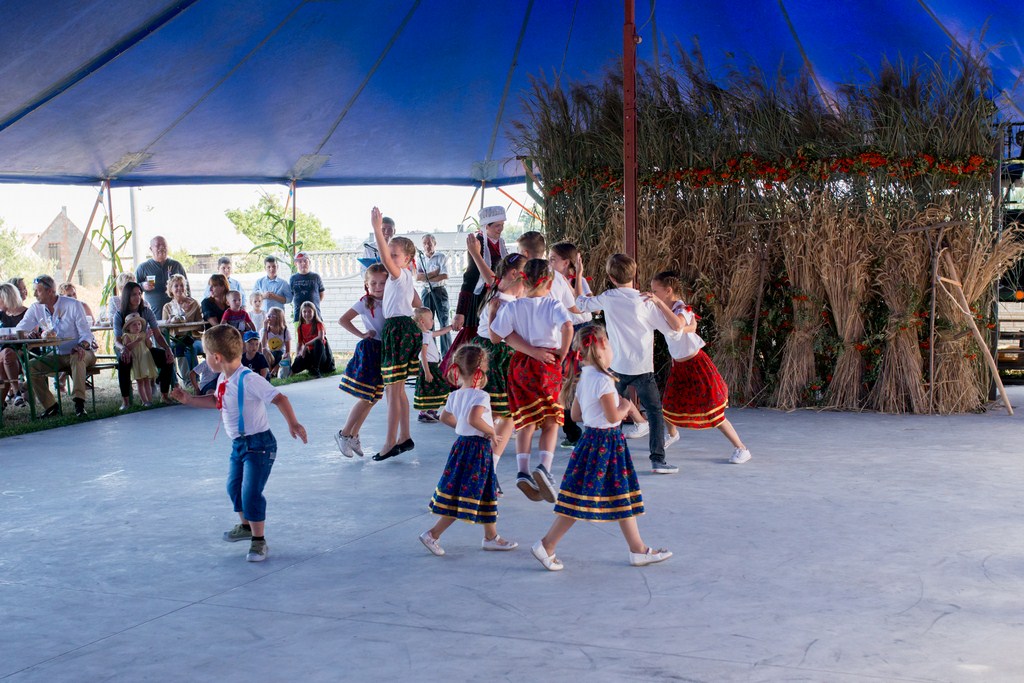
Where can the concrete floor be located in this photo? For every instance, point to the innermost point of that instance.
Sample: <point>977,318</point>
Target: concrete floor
<point>852,547</point>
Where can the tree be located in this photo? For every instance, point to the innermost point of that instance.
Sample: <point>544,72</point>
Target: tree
<point>15,259</point>
<point>268,226</point>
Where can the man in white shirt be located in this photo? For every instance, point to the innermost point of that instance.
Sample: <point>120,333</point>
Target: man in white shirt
<point>631,321</point>
<point>433,271</point>
<point>63,318</point>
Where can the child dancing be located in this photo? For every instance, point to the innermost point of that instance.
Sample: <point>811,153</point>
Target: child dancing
<point>696,395</point>
<point>431,387</point>
<point>467,489</point>
<point>540,330</point>
<point>402,338</point>
<point>362,377</point>
<point>600,483</point>
<point>241,398</point>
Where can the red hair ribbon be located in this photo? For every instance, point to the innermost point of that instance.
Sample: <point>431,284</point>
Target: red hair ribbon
<point>478,374</point>
<point>541,280</point>
<point>452,376</point>
<point>689,309</point>
<point>369,301</point>
<point>588,341</point>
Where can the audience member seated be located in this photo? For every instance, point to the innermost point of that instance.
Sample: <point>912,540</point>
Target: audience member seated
<point>215,304</point>
<point>59,318</point>
<point>12,310</point>
<point>276,339</point>
<point>203,379</point>
<point>19,283</point>
<point>132,301</point>
<point>183,309</point>
<point>252,356</point>
<point>114,305</point>
<point>68,289</point>
<point>313,353</point>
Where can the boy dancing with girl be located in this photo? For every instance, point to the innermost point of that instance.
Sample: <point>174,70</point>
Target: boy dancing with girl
<point>241,397</point>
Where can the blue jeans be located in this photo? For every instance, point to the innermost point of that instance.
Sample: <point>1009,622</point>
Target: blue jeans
<point>649,397</point>
<point>252,457</point>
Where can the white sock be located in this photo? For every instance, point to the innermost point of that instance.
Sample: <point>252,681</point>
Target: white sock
<point>546,459</point>
<point>523,460</point>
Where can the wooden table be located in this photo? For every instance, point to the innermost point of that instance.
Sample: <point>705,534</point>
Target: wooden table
<point>25,345</point>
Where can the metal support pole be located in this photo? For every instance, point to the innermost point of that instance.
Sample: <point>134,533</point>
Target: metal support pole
<point>113,237</point>
<point>294,198</point>
<point>134,215</point>
<point>85,236</point>
<point>629,170</point>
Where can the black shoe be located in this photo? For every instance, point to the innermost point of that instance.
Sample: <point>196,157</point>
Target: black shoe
<point>390,454</point>
<point>526,484</point>
<point>406,445</point>
<point>80,407</point>
<point>52,411</point>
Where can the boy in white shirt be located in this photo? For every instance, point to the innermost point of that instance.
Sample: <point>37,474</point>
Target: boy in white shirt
<point>241,398</point>
<point>631,319</point>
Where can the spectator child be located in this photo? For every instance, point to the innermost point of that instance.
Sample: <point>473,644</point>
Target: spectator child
<point>467,488</point>
<point>252,357</point>
<point>631,319</point>
<point>256,312</point>
<point>135,338</point>
<point>236,316</point>
<point>312,353</point>
<point>539,328</point>
<point>600,483</point>
<point>362,377</point>
<point>402,338</point>
<point>276,339</point>
<point>431,388</point>
<point>203,379</point>
<point>241,398</point>
<point>696,395</point>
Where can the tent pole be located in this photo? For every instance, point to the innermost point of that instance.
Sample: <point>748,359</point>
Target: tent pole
<point>291,195</point>
<point>85,236</point>
<point>483,189</point>
<point>113,237</point>
<point>519,204</point>
<point>469,207</point>
<point>629,40</point>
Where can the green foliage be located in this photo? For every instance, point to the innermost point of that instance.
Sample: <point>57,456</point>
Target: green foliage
<point>111,245</point>
<point>183,257</point>
<point>17,261</point>
<point>270,228</point>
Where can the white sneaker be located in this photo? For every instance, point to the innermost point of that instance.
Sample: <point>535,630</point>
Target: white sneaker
<point>739,456</point>
<point>671,439</point>
<point>344,444</point>
<point>353,443</point>
<point>498,543</point>
<point>637,431</point>
<point>650,557</point>
<point>432,544</point>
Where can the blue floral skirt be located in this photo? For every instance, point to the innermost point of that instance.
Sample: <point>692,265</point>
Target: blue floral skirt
<point>362,376</point>
<point>467,490</point>
<point>600,482</point>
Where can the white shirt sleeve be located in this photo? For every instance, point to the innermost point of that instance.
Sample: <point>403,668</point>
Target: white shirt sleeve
<point>589,304</point>
<point>259,389</point>
<point>502,323</point>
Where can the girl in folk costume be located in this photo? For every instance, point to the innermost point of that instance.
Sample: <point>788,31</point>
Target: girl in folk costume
<point>136,339</point>
<point>431,388</point>
<point>492,249</point>
<point>696,395</point>
<point>509,275</point>
<point>540,330</point>
<point>600,483</point>
<point>467,488</point>
<point>362,377</point>
<point>563,256</point>
<point>401,336</point>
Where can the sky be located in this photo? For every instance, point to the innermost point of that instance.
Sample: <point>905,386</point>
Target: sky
<point>192,217</point>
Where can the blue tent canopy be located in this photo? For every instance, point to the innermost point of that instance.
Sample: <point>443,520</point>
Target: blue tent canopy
<point>390,91</point>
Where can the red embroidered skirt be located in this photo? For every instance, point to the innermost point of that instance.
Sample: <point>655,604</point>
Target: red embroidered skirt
<point>696,395</point>
<point>533,389</point>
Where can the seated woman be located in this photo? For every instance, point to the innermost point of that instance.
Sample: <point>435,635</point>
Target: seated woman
<point>132,301</point>
<point>215,304</point>
<point>12,310</point>
<point>183,309</point>
<point>114,305</point>
<point>67,289</point>
<point>312,353</point>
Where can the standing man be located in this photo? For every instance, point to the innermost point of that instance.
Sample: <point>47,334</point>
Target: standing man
<point>224,267</point>
<point>275,290</point>
<point>154,274</point>
<point>434,272</point>
<point>63,317</point>
<point>305,286</point>
<point>370,246</point>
